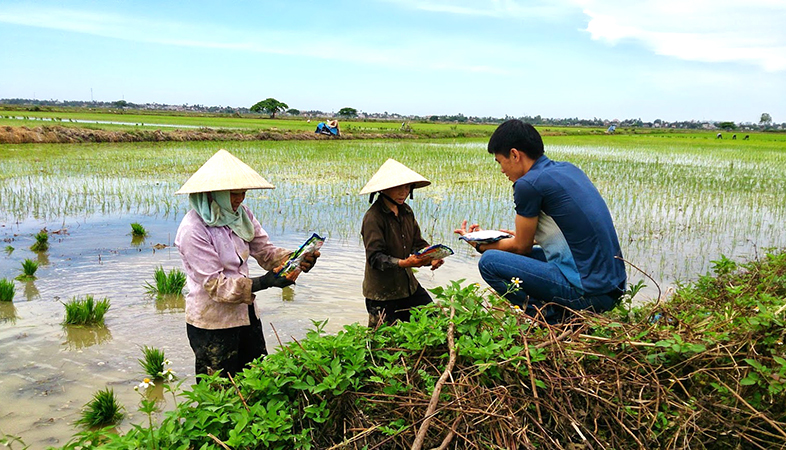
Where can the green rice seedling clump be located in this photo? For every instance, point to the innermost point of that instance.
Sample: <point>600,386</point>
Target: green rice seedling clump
<point>41,242</point>
<point>29,268</point>
<point>7,290</point>
<point>85,311</point>
<point>153,362</point>
<point>103,410</point>
<point>138,230</point>
<point>9,249</point>
<point>171,283</point>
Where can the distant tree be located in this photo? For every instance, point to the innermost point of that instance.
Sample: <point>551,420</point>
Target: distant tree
<point>123,104</point>
<point>348,112</point>
<point>269,106</point>
<point>727,125</point>
<point>293,111</point>
<point>766,119</point>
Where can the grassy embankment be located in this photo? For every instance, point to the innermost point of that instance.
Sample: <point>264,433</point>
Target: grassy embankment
<point>705,370</point>
<point>85,125</point>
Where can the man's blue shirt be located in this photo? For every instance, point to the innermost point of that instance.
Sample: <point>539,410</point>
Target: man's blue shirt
<point>575,227</point>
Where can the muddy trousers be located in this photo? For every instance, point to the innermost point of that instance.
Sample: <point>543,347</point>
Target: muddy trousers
<point>228,349</point>
<point>393,310</point>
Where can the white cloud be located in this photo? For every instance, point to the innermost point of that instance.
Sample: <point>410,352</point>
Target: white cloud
<point>467,56</point>
<point>751,31</point>
<point>488,8</point>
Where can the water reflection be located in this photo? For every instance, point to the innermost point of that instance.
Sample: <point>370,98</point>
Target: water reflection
<point>31,291</point>
<point>137,241</point>
<point>170,303</point>
<point>7,312</point>
<point>42,258</point>
<point>78,337</point>
<point>288,294</point>
<point>155,392</point>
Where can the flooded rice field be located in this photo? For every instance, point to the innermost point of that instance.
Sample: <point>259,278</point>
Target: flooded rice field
<point>676,210</point>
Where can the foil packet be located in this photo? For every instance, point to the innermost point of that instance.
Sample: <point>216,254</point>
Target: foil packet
<point>292,264</point>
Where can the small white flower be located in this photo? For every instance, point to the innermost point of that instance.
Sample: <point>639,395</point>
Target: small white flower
<point>516,281</point>
<point>167,362</point>
<point>146,383</point>
<point>168,375</point>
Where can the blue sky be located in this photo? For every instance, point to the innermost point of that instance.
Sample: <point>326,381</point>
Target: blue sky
<point>616,59</point>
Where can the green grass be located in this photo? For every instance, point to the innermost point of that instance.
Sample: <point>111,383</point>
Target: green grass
<point>137,230</point>
<point>7,290</point>
<point>85,311</point>
<point>103,410</point>
<point>171,283</point>
<point>153,362</point>
<point>29,268</point>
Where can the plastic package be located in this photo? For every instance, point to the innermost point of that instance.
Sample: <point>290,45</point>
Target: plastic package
<point>436,251</point>
<point>292,264</point>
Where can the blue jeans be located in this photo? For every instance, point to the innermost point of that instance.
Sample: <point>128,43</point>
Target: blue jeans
<point>542,285</point>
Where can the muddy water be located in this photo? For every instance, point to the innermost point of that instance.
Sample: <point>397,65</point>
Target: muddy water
<point>48,371</point>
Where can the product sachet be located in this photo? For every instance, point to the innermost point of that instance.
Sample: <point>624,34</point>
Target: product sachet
<point>436,251</point>
<point>485,236</point>
<point>312,244</point>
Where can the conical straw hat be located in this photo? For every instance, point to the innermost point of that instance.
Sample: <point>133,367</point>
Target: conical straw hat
<point>224,172</point>
<point>393,174</point>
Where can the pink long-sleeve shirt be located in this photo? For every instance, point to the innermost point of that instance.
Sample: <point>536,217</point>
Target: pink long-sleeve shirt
<point>216,265</point>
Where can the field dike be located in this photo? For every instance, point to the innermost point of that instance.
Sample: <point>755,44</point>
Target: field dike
<point>64,135</point>
<point>704,370</point>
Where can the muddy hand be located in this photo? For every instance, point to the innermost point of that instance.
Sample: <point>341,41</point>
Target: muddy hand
<point>414,261</point>
<point>437,263</point>
<point>309,259</point>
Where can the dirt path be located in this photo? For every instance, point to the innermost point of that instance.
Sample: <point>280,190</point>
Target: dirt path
<point>63,135</point>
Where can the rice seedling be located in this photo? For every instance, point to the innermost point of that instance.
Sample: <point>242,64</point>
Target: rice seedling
<point>171,283</point>
<point>7,290</point>
<point>137,230</point>
<point>29,268</point>
<point>9,249</point>
<point>41,242</point>
<point>103,410</point>
<point>85,311</point>
<point>153,363</point>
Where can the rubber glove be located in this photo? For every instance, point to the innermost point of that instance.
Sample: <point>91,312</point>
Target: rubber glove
<point>269,280</point>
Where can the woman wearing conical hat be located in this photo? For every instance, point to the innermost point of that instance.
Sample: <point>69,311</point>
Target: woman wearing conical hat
<point>215,240</point>
<point>391,235</point>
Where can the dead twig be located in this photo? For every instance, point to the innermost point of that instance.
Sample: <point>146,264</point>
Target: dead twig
<point>430,411</point>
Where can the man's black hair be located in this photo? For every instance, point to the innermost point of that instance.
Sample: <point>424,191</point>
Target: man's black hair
<point>516,134</point>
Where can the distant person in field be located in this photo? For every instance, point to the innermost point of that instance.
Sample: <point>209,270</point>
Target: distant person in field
<point>719,136</point>
<point>391,235</point>
<point>746,137</point>
<point>564,254</point>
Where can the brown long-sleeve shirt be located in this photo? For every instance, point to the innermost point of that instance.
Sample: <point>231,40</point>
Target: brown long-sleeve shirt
<point>389,238</point>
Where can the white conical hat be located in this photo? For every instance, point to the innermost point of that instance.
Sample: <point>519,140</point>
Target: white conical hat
<point>224,172</point>
<point>393,174</point>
